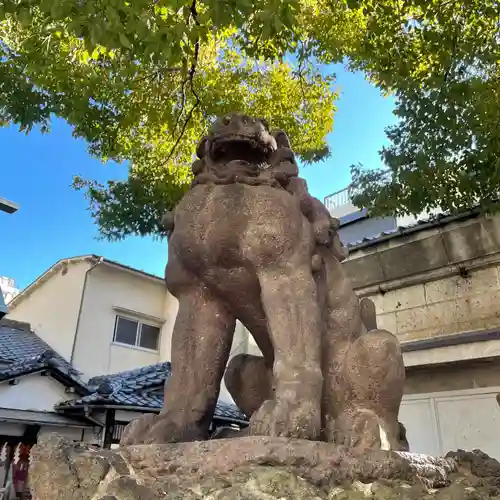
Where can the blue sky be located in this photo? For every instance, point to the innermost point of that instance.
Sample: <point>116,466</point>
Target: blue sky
<point>53,222</point>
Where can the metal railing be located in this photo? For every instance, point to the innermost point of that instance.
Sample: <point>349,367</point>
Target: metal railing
<point>338,199</point>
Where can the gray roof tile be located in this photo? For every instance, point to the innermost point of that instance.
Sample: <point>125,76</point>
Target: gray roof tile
<point>143,388</point>
<point>17,344</point>
<point>434,220</point>
<point>27,353</point>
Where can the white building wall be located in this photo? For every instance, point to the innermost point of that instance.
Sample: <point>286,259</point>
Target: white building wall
<point>87,435</point>
<point>437,423</point>
<point>111,291</point>
<point>170,309</point>
<point>52,308</point>
<point>33,392</point>
<point>11,429</point>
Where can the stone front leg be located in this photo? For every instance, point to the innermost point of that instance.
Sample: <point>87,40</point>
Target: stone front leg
<point>201,344</point>
<point>290,302</point>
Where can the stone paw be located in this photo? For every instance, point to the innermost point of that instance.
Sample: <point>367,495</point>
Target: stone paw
<point>168,429</point>
<point>136,430</point>
<point>300,420</point>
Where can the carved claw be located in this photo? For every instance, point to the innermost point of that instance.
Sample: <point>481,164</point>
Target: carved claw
<point>299,420</point>
<point>198,166</point>
<point>282,140</point>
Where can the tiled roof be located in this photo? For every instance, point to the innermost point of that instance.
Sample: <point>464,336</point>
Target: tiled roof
<point>139,378</point>
<point>27,353</point>
<point>17,344</point>
<point>46,361</point>
<point>436,220</point>
<point>141,388</point>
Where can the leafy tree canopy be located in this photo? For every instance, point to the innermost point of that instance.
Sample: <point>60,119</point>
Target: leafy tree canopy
<point>142,80</point>
<point>441,59</point>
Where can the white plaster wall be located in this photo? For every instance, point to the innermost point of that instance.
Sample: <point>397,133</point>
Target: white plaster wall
<point>52,308</point>
<point>109,287</point>
<point>126,415</point>
<point>87,435</point>
<point>10,429</point>
<point>170,309</point>
<point>33,392</point>
<point>123,358</point>
<point>242,343</point>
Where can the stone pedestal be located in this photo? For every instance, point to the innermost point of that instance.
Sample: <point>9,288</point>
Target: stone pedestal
<point>254,468</point>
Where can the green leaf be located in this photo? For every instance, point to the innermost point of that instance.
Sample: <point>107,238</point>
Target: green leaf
<point>119,74</point>
<point>124,40</point>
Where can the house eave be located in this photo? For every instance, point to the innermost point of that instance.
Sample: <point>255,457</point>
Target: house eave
<point>92,259</point>
<point>132,270</point>
<point>42,418</point>
<point>26,292</point>
<point>462,347</point>
<point>451,340</point>
<point>80,389</point>
<point>142,409</point>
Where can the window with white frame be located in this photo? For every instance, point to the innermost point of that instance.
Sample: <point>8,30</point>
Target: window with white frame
<point>136,333</point>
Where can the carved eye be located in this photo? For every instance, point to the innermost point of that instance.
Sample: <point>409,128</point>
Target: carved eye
<point>226,120</point>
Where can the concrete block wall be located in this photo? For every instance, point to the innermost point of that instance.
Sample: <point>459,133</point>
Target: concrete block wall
<point>453,304</point>
<point>436,278</point>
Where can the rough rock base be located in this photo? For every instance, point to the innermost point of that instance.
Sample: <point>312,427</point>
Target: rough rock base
<point>254,468</point>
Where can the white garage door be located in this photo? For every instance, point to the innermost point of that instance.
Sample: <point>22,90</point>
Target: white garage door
<point>446,421</point>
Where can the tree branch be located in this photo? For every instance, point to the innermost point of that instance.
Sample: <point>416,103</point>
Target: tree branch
<point>189,79</point>
<point>157,73</point>
<point>300,70</point>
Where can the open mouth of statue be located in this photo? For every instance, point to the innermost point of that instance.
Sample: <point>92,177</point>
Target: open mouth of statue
<point>239,149</point>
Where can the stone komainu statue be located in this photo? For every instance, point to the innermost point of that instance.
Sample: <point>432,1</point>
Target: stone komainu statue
<point>247,242</point>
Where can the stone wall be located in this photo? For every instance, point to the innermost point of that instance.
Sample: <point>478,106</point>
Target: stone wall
<point>439,278</point>
<point>450,305</point>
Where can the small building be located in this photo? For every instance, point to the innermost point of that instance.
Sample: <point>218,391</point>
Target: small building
<point>117,399</point>
<point>3,306</point>
<point>40,392</point>
<point>356,224</point>
<point>8,288</point>
<point>33,380</point>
